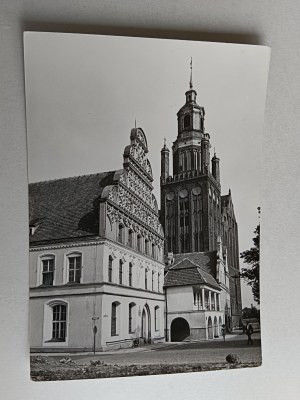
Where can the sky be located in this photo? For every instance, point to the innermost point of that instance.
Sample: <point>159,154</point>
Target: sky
<point>84,93</point>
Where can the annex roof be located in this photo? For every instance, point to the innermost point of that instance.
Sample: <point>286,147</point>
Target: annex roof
<point>192,269</point>
<point>67,208</point>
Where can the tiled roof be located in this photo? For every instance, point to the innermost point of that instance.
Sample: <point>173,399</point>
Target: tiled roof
<point>67,208</point>
<point>206,260</point>
<point>192,269</point>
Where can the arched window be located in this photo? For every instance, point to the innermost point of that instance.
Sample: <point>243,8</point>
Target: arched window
<point>153,251</point>
<point>130,238</point>
<point>121,233</point>
<point>139,243</point>
<point>147,246</point>
<point>186,121</point>
<point>47,270</point>
<point>146,279</point>
<point>131,318</point>
<point>55,325</point>
<point>130,275</point>
<point>115,318</point>
<point>74,267</point>
<point>121,272</point>
<point>110,268</point>
<point>156,318</point>
<point>152,281</point>
<point>158,282</point>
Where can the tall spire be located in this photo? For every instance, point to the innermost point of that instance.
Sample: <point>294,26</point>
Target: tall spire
<point>191,75</point>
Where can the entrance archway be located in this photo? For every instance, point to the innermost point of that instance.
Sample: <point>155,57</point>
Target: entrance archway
<point>210,333</point>
<point>180,330</point>
<point>146,324</point>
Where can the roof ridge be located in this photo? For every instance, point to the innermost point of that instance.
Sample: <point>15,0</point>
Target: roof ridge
<point>72,177</point>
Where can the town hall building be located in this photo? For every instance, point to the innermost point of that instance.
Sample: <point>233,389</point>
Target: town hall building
<point>96,258</point>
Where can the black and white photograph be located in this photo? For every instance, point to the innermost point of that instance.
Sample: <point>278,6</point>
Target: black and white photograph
<point>144,164</point>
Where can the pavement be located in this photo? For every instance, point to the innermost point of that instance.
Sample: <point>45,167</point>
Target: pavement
<point>208,351</point>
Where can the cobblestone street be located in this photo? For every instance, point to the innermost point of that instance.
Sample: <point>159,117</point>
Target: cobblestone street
<point>213,351</point>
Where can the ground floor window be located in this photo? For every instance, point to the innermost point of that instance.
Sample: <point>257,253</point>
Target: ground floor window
<point>59,322</point>
<point>115,318</point>
<point>156,318</point>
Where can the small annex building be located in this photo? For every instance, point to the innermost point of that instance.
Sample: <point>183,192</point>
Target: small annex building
<point>96,258</point>
<point>197,295</point>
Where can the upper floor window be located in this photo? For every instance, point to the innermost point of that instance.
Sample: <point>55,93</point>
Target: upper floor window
<point>59,322</point>
<point>152,282</point>
<point>146,279</point>
<point>110,268</point>
<point>139,243</point>
<point>47,270</point>
<point>153,250</point>
<point>120,272</point>
<point>121,233</point>
<point>130,275</point>
<point>147,246</point>
<point>75,266</point>
<point>130,238</point>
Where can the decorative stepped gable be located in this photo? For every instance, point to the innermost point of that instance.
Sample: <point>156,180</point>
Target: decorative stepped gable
<point>131,202</point>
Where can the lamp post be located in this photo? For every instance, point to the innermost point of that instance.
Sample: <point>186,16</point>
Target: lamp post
<point>94,333</point>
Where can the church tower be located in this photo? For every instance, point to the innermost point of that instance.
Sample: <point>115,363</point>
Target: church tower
<point>191,197</point>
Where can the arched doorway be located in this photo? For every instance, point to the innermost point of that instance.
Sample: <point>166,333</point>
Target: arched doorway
<point>210,333</point>
<point>146,324</point>
<point>180,330</point>
<point>216,330</point>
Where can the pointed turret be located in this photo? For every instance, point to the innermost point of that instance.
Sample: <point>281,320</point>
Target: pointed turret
<point>164,162</point>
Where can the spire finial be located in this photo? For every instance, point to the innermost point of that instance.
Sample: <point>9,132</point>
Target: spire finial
<point>191,76</point>
<point>214,151</point>
<point>135,123</point>
<point>165,142</point>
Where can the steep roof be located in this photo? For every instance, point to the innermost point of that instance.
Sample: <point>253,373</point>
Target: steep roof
<point>192,269</point>
<point>206,260</point>
<point>67,208</point>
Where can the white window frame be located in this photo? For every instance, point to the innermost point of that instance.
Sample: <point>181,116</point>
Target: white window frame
<point>68,255</point>
<point>39,275</point>
<point>48,323</point>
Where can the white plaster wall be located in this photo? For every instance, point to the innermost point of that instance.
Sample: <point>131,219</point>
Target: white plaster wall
<point>180,298</point>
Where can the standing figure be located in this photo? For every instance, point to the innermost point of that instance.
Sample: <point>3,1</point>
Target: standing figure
<point>249,331</point>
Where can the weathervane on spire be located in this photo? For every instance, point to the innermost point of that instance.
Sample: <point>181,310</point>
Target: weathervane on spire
<point>165,142</point>
<point>191,76</point>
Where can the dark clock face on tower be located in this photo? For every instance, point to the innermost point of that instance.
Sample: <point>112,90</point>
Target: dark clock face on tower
<point>183,193</point>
